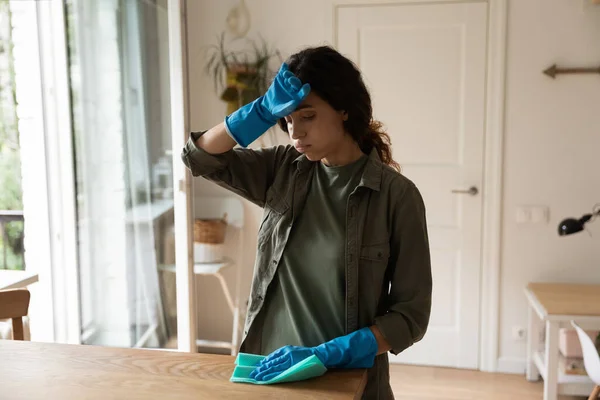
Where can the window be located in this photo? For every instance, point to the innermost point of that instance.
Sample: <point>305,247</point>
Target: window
<point>119,85</point>
<point>11,195</point>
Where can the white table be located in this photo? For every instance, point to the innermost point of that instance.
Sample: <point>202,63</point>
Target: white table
<point>552,306</point>
<point>10,279</point>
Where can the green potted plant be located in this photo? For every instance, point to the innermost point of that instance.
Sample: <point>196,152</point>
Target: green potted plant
<point>240,76</point>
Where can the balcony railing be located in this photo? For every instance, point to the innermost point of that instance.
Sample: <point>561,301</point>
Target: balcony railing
<point>13,256</point>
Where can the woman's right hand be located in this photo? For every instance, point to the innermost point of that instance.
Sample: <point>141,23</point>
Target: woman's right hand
<point>284,95</point>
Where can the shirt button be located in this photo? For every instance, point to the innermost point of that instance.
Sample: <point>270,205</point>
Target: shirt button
<point>260,298</point>
<point>275,262</point>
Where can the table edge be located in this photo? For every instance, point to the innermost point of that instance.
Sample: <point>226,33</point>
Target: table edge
<point>24,282</point>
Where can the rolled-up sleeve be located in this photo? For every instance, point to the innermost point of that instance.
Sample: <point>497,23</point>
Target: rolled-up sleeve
<point>409,302</point>
<point>246,172</point>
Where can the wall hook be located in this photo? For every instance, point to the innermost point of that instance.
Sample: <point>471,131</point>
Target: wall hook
<point>554,70</point>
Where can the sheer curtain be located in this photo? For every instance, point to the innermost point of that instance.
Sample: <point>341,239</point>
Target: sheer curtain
<point>119,88</point>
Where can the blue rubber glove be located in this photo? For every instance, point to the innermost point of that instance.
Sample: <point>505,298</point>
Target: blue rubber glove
<point>355,350</point>
<point>249,122</point>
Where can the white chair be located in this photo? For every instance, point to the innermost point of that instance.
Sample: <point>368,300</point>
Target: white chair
<point>591,359</point>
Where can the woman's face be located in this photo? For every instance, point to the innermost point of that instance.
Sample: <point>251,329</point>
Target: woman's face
<point>316,128</point>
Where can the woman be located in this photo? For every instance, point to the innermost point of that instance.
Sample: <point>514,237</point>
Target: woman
<point>343,267</point>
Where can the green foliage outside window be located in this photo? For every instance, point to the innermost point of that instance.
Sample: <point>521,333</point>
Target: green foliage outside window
<point>10,161</point>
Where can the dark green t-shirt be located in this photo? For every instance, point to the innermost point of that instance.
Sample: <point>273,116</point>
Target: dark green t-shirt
<point>305,302</point>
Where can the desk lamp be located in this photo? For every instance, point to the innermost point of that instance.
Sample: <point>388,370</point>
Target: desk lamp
<point>572,225</point>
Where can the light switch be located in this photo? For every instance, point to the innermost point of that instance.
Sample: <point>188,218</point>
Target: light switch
<point>523,215</point>
<point>540,214</point>
<point>527,214</point>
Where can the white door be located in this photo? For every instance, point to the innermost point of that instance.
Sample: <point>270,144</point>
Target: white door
<point>425,67</point>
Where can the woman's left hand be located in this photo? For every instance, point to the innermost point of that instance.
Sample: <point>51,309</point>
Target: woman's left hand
<point>354,350</point>
<point>279,361</point>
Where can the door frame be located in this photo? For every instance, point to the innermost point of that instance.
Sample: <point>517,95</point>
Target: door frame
<point>59,173</point>
<point>489,312</point>
<point>182,179</point>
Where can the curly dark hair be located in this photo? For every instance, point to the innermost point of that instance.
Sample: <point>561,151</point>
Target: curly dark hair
<point>338,81</point>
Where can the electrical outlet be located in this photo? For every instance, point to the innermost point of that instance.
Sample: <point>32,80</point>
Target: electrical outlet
<point>518,333</point>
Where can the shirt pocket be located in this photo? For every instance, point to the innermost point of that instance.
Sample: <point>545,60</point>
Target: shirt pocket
<point>375,254</point>
<point>372,268</point>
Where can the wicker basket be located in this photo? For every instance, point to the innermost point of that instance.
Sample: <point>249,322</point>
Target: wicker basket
<point>210,231</point>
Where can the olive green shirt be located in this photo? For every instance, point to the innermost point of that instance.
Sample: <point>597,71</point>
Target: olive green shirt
<point>304,305</point>
<point>388,279</point>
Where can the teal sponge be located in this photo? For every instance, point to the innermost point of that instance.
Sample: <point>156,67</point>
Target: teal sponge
<point>308,368</point>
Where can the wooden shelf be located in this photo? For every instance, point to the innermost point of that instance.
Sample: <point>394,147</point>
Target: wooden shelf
<point>569,384</point>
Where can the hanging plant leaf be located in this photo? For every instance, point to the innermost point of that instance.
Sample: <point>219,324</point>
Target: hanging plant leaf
<point>245,72</point>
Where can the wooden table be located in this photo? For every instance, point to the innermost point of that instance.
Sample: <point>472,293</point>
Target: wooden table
<point>555,305</point>
<point>10,279</point>
<point>59,371</point>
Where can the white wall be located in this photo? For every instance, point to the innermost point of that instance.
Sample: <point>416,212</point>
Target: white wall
<point>551,138</point>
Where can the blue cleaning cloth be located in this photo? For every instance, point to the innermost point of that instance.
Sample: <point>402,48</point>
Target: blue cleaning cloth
<point>308,368</point>
<point>355,350</point>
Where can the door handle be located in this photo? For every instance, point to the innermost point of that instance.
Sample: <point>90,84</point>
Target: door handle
<point>472,191</point>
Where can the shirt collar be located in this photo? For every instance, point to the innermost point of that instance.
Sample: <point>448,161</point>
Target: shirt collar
<point>371,177</point>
